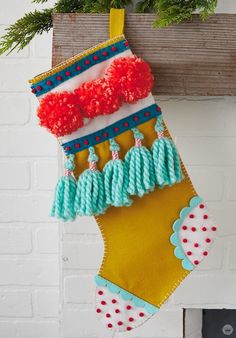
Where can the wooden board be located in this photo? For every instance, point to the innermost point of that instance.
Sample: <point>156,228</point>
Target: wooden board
<point>194,58</point>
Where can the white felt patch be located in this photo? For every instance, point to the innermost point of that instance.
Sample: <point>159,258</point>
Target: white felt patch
<point>197,233</point>
<point>116,313</point>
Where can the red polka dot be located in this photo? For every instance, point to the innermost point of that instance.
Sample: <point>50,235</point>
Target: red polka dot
<point>113,48</point>
<point>189,253</point>
<point>113,301</point>
<point>205,253</point>
<point>77,145</point>
<point>117,311</point>
<point>67,148</point>
<point>126,43</point>
<point>128,307</point>
<point>185,240</point>
<point>100,292</point>
<point>39,88</point>
<point>213,228</point>
<point>196,262</point>
<point>141,314</point>
<point>126,124</point>
<point>49,83</point>
<point>67,73</point>
<point>108,315</point>
<point>59,78</point>
<point>204,229</point>
<point>193,229</point>
<point>201,206</point>
<point>116,129</point>
<point>78,68</point>
<point>87,62</point>
<point>184,227</point>
<point>205,216</point>
<point>146,113</point>
<point>158,108</point>
<point>95,57</point>
<point>97,138</point>
<point>128,328</point>
<point>98,310</point>
<point>104,53</point>
<point>105,134</point>
<point>135,118</point>
<point>131,319</point>
<point>86,142</point>
<point>33,90</point>
<point>208,240</point>
<point>120,323</point>
<point>191,216</point>
<point>103,302</point>
<point>109,325</point>
<point>196,245</point>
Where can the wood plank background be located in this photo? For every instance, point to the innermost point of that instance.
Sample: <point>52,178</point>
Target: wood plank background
<point>194,58</point>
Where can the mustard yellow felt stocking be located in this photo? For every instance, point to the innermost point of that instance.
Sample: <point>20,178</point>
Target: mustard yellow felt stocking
<point>123,168</point>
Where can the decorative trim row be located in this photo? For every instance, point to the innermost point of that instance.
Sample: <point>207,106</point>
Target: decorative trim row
<point>112,130</point>
<point>78,67</point>
<point>100,281</point>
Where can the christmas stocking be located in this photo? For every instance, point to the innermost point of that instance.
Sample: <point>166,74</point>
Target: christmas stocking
<point>123,168</point>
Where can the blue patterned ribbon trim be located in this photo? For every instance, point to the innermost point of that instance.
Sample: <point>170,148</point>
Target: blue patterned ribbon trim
<point>112,130</point>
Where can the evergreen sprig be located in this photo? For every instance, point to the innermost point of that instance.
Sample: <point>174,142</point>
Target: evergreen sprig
<point>19,34</point>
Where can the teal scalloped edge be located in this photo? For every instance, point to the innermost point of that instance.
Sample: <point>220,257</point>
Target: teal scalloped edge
<point>174,238</point>
<point>100,281</point>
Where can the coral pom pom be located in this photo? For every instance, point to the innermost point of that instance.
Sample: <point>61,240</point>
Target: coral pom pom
<point>132,76</point>
<point>97,97</point>
<point>60,114</point>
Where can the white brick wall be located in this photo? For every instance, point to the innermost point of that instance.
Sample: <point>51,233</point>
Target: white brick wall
<point>205,131</point>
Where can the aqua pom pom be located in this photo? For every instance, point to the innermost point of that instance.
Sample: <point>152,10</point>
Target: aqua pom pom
<point>140,168</point>
<point>64,197</point>
<point>116,179</point>
<point>90,195</point>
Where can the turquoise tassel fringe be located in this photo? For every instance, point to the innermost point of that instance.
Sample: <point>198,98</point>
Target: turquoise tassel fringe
<point>166,160</point>
<point>116,179</point>
<point>90,195</point>
<point>63,204</point>
<point>140,168</point>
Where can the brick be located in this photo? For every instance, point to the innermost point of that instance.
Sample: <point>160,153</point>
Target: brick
<point>43,46</point>
<point>206,291</point>
<point>45,174</point>
<point>47,239</point>
<point>8,329</point>
<point>79,289</point>
<point>79,323</point>
<point>226,6</point>
<point>82,225</point>
<point>47,303</point>
<point>29,271</point>
<point>15,304</point>
<point>37,329</point>
<point>16,78</point>
<point>224,216</point>
<point>208,182</point>
<point>232,186</point>
<point>232,253</point>
<point>8,15</point>
<point>207,150</point>
<point>14,240</point>
<point>14,175</point>
<point>30,207</point>
<point>15,109</point>
<point>25,142</point>
<point>82,255</point>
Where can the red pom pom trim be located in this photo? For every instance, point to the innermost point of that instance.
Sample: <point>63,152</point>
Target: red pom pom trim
<point>127,79</point>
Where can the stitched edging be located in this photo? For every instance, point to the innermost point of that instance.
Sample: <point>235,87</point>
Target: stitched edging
<point>136,301</point>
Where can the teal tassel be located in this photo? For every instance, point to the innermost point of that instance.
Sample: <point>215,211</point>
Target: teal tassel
<point>64,197</point>
<point>90,195</point>
<point>116,179</point>
<point>166,160</point>
<point>140,167</point>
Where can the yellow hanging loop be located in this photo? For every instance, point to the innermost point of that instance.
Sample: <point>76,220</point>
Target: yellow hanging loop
<point>117,20</point>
